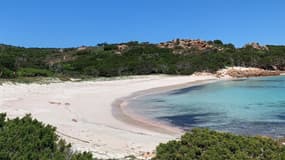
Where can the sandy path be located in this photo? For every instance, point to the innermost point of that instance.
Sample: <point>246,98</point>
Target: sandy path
<point>82,112</point>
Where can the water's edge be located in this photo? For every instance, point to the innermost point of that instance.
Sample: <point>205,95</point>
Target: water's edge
<point>122,110</point>
<point>249,106</point>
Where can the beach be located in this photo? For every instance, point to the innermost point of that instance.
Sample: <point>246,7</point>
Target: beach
<point>90,114</point>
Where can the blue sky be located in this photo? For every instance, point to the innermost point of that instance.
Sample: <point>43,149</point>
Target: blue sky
<point>70,23</point>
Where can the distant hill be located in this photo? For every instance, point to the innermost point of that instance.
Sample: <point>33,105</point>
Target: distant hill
<point>179,56</point>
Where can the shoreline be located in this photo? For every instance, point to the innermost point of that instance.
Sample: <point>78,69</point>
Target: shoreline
<point>83,112</point>
<point>122,111</point>
<point>92,115</point>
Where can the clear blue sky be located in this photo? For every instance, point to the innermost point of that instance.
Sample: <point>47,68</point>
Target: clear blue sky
<point>68,23</point>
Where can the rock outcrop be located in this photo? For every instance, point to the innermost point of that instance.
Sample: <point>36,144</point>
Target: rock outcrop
<point>257,46</point>
<point>188,44</point>
<point>241,72</point>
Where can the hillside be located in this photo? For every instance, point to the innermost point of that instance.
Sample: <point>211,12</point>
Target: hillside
<point>180,56</point>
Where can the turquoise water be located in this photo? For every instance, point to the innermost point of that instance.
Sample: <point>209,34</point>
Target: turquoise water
<point>254,106</point>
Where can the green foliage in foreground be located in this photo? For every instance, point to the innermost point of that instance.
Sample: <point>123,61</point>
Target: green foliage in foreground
<point>29,139</point>
<point>203,144</point>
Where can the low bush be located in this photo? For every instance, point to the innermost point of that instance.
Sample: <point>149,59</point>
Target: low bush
<point>33,72</point>
<point>204,144</point>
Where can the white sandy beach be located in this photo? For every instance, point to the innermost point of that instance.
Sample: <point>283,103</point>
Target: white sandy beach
<point>82,112</point>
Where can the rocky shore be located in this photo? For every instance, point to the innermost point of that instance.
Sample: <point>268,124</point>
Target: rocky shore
<point>242,72</point>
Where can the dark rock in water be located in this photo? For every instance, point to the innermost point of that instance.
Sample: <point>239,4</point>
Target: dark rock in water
<point>185,90</point>
<point>187,120</point>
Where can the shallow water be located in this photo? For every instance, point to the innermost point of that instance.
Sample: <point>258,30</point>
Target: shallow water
<point>254,106</point>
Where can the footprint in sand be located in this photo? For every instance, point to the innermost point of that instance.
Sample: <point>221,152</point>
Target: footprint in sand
<point>59,103</point>
<point>52,102</point>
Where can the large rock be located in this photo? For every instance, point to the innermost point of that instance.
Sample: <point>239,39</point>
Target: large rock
<point>240,72</point>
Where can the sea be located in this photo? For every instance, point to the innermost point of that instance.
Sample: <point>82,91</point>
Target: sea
<point>251,106</point>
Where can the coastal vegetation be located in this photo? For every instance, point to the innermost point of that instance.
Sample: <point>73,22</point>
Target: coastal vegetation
<point>178,57</point>
<point>28,139</point>
<point>204,144</point>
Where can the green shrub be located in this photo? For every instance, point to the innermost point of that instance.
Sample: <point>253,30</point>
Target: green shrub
<point>6,73</point>
<point>203,144</point>
<point>33,72</point>
<point>29,139</point>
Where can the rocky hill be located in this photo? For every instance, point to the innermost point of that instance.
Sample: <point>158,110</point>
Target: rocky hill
<point>180,56</point>
<point>184,45</point>
<point>179,46</point>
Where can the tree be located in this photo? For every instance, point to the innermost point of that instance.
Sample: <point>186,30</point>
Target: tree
<point>218,42</point>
